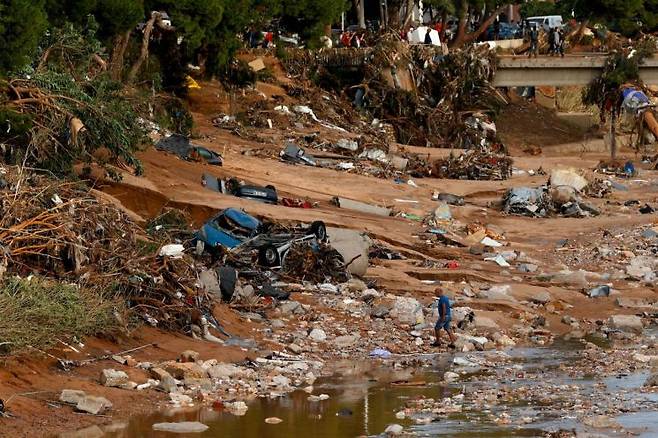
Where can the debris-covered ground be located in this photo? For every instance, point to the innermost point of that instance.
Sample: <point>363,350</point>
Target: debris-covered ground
<point>530,248</point>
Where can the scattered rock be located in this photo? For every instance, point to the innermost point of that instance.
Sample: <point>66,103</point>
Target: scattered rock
<point>318,335</point>
<point>408,311</point>
<point>294,348</point>
<point>527,267</point>
<point>183,371</point>
<point>394,429</point>
<point>238,408</point>
<point>93,405</point>
<point>223,371</point>
<point>71,396</point>
<point>183,427</point>
<point>291,308</point>
<point>497,293</point>
<point>450,377</point>
<point>113,378</point>
<point>380,311</point>
<point>180,399</point>
<point>356,285</point>
<point>627,323</point>
<point>485,323</point>
<point>281,381</point>
<point>577,278</point>
<point>541,297</point>
<point>189,356</point>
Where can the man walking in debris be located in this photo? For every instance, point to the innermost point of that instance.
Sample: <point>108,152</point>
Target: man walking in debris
<point>445,317</point>
<point>557,41</point>
<point>560,46</point>
<point>534,41</point>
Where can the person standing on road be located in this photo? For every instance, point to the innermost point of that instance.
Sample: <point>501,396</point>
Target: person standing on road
<point>534,42</point>
<point>557,41</point>
<point>445,316</point>
<point>561,46</point>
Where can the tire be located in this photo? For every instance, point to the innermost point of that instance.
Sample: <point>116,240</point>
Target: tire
<point>269,256</point>
<point>319,229</point>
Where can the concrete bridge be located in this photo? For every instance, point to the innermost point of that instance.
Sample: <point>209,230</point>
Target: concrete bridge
<point>571,70</point>
<point>512,71</point>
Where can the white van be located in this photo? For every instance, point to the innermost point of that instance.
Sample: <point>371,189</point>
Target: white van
<point>547,22</point>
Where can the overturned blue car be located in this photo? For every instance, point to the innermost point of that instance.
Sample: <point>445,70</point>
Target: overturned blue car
<point>240,236</point>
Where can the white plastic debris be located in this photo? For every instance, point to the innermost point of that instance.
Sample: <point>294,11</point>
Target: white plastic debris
<point>488,241</point>
<point>174,251</point>
<point>500,260</point>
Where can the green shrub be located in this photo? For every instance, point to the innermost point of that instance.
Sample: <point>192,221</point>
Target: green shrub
<point>38,312</point>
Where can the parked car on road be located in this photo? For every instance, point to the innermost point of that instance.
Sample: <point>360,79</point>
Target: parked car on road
<point>546,22</point>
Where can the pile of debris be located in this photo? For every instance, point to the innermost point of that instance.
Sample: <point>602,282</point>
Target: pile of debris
<point>253,247</point>
<point>60,230</point>
<point>560,196</point>
<point>476,164</point>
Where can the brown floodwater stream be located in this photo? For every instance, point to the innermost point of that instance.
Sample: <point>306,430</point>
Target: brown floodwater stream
<point>364,404</point>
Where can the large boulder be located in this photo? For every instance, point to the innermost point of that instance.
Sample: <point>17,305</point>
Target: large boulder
<point>224,371</point>
<point>626,323</point>
<point>182,371</point>
<point>407,310</point>
<point>349,244</point>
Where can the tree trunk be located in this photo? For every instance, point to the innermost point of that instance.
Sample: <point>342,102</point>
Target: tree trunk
<point>408,13</point>
<point>118,53</point>
<point>461,27</point>
<point>144,52</point>
<point>463,38</point>
<point>444,23</point>
<point>360,7</point>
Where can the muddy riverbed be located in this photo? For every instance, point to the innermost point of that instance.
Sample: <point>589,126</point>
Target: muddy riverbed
<point>544,391</point>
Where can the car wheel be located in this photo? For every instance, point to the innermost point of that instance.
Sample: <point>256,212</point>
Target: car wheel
<point>269,256</point>
<point>319,229</point>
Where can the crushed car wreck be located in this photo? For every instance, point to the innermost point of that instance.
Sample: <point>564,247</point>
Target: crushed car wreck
<point>241,189</point>
<point>244,239</point>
